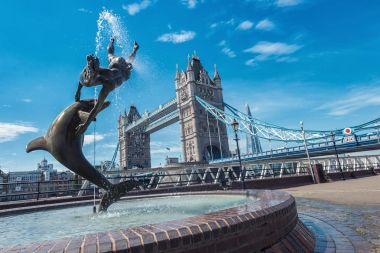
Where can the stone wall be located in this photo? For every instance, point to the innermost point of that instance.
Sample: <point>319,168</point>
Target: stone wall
<point>273,183</point>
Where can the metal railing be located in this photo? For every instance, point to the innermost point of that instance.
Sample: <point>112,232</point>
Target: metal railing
<point>221,176</point>
<point>332,168</point>
<point>22,190</point>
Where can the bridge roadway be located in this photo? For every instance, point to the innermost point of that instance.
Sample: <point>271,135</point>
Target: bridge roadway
<point>163,116</point>
<point>365,142</point>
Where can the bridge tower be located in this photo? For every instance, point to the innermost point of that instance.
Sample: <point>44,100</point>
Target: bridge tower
<point>134,145</point>
<point>203,137</point>
<point>253,142</point>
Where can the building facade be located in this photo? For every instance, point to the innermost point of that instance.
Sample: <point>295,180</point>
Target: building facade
<point>23,184</point>
<point>134,146</point>
<point>41,183</point>
<point>46,168</point>
<point>202,137</point>
<point>3,182</point>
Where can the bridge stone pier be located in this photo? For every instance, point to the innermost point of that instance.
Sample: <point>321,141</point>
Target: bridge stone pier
<point>203,138</point>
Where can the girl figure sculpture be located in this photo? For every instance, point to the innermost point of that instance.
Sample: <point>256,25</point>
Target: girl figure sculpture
<point>118,71</point>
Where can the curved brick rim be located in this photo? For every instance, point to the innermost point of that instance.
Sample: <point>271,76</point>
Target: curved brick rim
<point>271,224</point>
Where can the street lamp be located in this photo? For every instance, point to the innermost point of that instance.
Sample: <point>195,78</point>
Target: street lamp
<point>235,127</point>
<point>307,151</point>
<point>336,154</point>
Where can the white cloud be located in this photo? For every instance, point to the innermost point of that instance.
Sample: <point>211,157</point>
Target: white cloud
<point>272,51</point>
<point>89,138</point>
<point>26,100</point>
<point>265,25</point>
<point>285,3</point>
<point>245,25</point>
<point>177,37</point>
<point>191,4</point>
<point>10,131</point>
<point>229,22</point>
<point>273,48</point>
<point>135,8</point>
<point>84,10</point>
<point>357,98</point>
<point>262,57</point>
<point>287,59</point>
<point>213,25</point>
<point>251,62</point>
<point>222,43</point>
<point>226,50</point>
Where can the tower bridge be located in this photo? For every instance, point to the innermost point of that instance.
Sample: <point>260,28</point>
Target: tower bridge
<point>203,138</point>
<point>204,117</point>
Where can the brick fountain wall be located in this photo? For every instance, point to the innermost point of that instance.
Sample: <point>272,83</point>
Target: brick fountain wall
<point>269,225</point>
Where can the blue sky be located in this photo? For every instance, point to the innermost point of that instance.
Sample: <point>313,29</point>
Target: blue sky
<point>291,60</point>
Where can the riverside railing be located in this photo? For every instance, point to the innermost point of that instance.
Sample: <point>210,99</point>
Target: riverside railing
<point>11,191</point>
<point>23,190</point>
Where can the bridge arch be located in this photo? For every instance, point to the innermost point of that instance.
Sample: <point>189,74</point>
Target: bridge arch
<point>212,152</point>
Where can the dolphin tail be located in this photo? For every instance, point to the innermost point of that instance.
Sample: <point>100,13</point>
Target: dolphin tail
<point>115,193</point>
<point>36,144</point>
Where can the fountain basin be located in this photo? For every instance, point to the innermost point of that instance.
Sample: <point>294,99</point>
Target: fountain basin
<point>267,219</point>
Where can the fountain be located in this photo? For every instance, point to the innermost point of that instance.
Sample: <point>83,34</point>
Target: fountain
<point>213,221</point>
<point>217,221</point>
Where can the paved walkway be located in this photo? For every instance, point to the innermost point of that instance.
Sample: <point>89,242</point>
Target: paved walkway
<point>344,215</point>
<point>354,192</point>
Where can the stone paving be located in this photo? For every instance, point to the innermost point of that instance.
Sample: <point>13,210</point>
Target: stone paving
<point>344,215</point>
<point>341,228</point>
<point>354,192</point>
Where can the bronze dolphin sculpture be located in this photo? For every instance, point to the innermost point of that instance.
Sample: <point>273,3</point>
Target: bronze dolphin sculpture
<point>66,147</point>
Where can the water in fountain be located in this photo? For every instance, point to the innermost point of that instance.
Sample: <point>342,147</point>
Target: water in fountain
<point>74,221</point>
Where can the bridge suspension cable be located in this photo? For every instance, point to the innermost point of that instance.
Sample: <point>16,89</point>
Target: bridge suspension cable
<point>270,131</point>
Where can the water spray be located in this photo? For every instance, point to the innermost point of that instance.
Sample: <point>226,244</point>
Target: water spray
<point>109,26</point>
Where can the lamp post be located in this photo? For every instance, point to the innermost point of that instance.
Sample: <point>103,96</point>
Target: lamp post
<point>235,127</point>
<point>336,154</point>
<point>307,151</point>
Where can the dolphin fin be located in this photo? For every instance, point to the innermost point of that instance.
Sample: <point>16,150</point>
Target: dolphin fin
<point>36,144</point>
<point>115,193</point>
<point>83,116</point>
